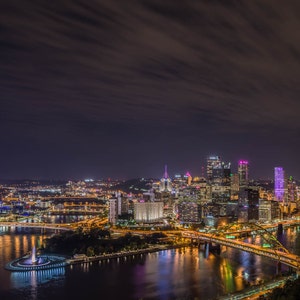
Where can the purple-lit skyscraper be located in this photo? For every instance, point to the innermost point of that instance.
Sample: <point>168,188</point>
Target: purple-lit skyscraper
<point>279,184</point>
<point>243,171</point>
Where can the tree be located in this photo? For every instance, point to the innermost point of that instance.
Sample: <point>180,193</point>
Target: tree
<point>90,251</point>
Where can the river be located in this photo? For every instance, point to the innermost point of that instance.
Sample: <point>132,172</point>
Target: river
<point>187,273</point>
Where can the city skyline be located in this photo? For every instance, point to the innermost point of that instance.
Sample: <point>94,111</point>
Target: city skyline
<point>102,89</point>
<point>203,173</point>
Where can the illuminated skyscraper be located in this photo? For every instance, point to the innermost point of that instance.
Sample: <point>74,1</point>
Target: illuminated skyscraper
<point>212,162</point>
<point>248,204</point>
<point>291,188</point>
<point>235,185</point>
<point>243,171</point>
<point>220,182</point>
<point>279,184</point>
<point>244,192</point>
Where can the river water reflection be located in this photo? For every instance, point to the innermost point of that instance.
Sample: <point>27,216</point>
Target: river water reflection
<point>185,273</point>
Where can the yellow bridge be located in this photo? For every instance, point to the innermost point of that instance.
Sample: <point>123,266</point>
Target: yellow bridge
<point>223,236</point>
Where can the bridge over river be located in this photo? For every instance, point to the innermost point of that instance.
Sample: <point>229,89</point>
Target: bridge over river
<point>272,248</point>
<point>38,225</point>
<point>59,226</point>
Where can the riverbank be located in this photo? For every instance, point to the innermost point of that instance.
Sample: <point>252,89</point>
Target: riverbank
<point>56,261</point>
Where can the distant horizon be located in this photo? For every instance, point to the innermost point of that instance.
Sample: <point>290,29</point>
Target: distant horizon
<point>172,173</point>
<point>114,179</point>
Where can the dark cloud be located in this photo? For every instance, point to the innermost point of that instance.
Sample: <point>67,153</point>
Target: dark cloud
<point>206,74</point>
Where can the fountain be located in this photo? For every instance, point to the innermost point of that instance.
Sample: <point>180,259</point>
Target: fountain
<point>33,259</point>
<point>33,255</point>
<point>36,262</point>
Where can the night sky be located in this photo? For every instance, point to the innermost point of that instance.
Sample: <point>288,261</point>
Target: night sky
<point>98,89</point>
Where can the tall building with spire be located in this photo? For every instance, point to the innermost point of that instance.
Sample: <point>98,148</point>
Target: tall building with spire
<point>165,182</point>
